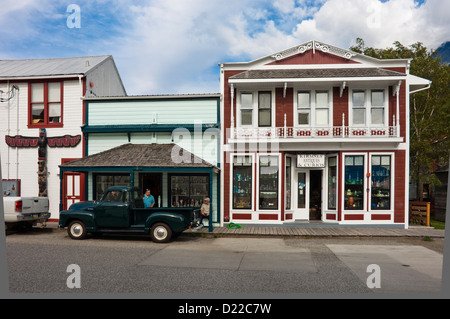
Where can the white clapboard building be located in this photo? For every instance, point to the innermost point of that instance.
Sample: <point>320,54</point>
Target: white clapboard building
<point>41,115</point>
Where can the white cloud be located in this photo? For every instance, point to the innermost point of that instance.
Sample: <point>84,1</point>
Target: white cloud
<point>175,46</point>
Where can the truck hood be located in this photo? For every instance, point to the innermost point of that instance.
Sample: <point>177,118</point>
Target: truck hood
<point>82,205</point>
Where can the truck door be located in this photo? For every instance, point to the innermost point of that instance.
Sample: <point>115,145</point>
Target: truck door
<point>112,211</point>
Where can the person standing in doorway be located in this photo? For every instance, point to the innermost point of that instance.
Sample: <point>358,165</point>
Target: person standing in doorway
<point>149,200</point>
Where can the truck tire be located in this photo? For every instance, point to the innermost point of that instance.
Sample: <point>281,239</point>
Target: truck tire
<point>161,233</point>
<point>77,230</point>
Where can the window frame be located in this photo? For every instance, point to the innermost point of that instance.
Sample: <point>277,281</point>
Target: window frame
<point>255,108</point>
<point>391,182</point>
<point>368,106</point>
<point>251,181</point>
<point>258,185</point>
<point>46,123</point>
<point>313,107</point>
<point>241,109</point>
<point>344,209</point>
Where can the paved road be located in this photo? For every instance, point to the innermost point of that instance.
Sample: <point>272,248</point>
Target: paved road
<point>38,262</point>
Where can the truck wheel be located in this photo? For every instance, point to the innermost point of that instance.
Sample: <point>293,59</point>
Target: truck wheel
<point>161,233</point>
<point>77,230</point>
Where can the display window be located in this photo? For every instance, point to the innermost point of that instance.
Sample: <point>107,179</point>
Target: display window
<point>188,190</point>
<point>268,182</point>
<point>242,182</point>
<point>381,182</point>
<point>332,183</point>
<point>103,181</point>
<point>354,183</point>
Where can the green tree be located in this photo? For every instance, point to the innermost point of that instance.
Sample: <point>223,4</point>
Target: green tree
<point>429,109</point>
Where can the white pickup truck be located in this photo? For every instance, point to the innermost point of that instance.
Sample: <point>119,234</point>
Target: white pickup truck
<point>25,211</point>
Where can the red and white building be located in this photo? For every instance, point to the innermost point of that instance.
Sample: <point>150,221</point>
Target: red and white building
<point>316,132</point>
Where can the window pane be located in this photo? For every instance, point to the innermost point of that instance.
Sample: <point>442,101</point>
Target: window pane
<point>54,112</point>
<point>242,183</point>
<point>377,98</point>
<point>303,118</point>
<point>332,197</point>
<point>381,183</point>
<point>354,183</point>
<point>268,182</point>
<point>37,113</point>
<point>304,100</point>
<point>301,190</point>
<point>37,92</point>
<point>246,100</point>
<point>359,116</point>
<point>322,99</point>
<point>377,116</point>
<point>264,100</point>
<point>54,92</point>
<point>288,183</point>
<point>322,117</point>
<point>114,196</point>
<point>264,117</point>
<point>246,117</point>
<point>358,98</point>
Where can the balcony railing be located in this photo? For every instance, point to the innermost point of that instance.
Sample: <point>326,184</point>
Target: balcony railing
<point>315,132</point>
<point>343,131</point>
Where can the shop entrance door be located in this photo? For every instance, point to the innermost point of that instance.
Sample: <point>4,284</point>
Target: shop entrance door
<point>301,198</point>
<point>152,181</point>
<point>315,195</point>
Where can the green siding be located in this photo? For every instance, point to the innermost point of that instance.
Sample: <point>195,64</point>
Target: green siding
<point>153,112</point>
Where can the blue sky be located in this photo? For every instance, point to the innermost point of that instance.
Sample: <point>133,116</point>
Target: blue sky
<point>174,46</point>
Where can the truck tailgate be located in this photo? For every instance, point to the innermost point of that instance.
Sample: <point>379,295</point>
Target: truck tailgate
<point>33,205</point>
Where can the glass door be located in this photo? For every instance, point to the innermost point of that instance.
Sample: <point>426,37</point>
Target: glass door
<point>301,191</point>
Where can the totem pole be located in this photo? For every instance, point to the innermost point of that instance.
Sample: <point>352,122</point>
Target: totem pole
<point>42,163</point>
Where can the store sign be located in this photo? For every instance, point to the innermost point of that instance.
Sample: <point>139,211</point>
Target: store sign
<point>310,160</point>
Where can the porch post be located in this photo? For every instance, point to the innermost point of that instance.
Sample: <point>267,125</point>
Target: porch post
<point>210,226</point>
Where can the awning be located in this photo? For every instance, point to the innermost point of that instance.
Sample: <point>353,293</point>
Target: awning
<point>417,84</point>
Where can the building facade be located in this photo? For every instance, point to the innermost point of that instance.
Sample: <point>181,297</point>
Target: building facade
<point>41,111</point>
<point>166,143</point>
<point>316,132</point>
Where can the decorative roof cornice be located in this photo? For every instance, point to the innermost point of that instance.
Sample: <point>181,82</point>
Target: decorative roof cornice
<point>314,45</point>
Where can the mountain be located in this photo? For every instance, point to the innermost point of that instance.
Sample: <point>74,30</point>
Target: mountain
<point>444,52</point>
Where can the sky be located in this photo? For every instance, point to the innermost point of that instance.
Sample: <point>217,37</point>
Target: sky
<point>175,46</point>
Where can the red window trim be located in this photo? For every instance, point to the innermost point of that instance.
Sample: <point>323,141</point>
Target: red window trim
<point>46,105</point>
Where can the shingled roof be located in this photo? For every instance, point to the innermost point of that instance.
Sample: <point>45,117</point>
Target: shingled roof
<point>141,155</point>
<point>315,73</point>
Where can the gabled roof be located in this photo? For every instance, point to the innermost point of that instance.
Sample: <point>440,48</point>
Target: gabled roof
<point>315,46</point>
<point>316,73</point>
<point>140,155</point>
<point>26,68</point>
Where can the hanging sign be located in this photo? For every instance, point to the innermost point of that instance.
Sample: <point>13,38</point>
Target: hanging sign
<point>310,160</point>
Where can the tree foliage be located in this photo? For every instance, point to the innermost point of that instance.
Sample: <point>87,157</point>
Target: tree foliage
<point>429,109</point>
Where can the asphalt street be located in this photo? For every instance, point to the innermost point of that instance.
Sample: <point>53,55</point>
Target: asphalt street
<point>41,261</point>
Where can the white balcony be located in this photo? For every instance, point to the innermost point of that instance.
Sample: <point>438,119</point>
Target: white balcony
<point>314,132</point>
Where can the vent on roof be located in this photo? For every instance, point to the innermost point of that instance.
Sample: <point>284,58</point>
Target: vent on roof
<point>87,63</point>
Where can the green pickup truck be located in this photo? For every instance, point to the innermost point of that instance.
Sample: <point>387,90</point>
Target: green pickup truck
<point>121,209</point>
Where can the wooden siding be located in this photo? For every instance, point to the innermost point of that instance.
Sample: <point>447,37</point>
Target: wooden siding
<point>153,112</point>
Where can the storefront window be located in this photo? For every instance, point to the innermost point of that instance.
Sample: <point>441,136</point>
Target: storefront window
<point>268,182</point>
<point>103,182</point>
<point>288,183</point>
<point>188,190</point>
<point>242,182</point>
<point>332,183</point>
<point>354,182</point>
<point>381,182</point>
